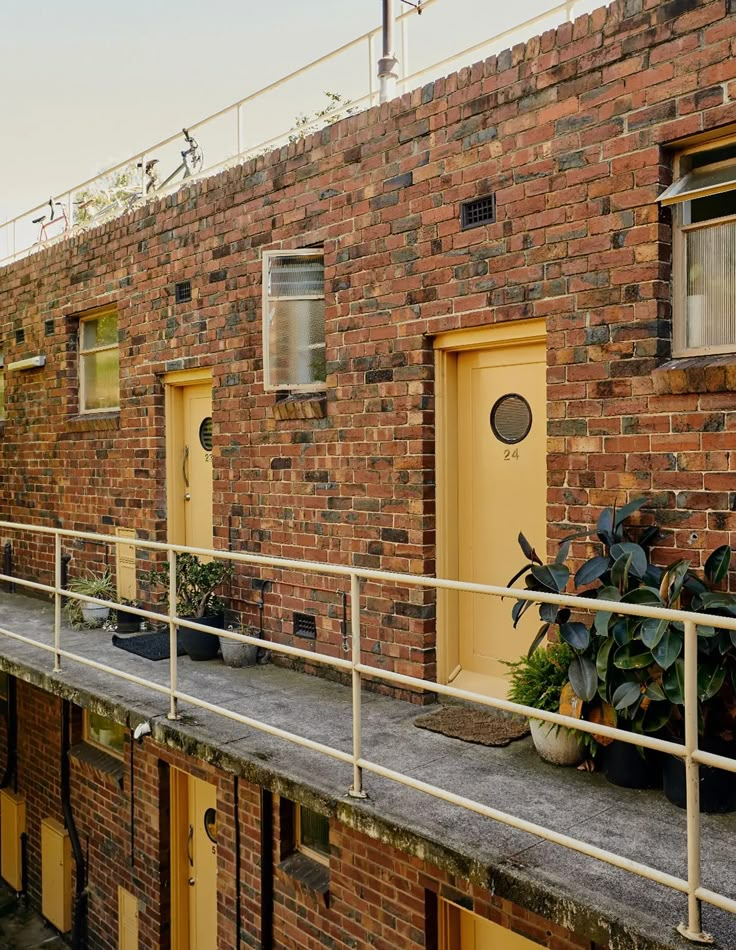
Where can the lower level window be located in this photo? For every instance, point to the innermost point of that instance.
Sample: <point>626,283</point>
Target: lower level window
<point>312,834</point>
<point>104,733</point>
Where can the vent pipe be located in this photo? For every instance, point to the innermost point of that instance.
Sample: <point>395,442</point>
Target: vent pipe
<point>387,74</point>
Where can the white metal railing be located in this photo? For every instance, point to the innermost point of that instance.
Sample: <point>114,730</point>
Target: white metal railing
<point>693,756</point>
<point>236,133</point>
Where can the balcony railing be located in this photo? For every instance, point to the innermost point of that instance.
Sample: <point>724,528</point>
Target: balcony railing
<point>265,119</point>
<point>689,752</point>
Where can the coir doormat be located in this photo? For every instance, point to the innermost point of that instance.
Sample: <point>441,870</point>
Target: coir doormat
<point>473,725</point>
<point>152,646</point>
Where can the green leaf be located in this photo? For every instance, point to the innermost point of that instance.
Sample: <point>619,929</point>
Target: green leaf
<point>620,571</point>
<point>622,631</point>
<point>642,595</point>
<point>602,622</point>
<point>623,513</point>
<point>609,593</point>
<point>639,560</point>
<point>674,580</point>
<point>668,649</point>
<point>626,695</point>
<point>552,577</point>
<point>652,631</point>
<point>590,571</point>
<point>707,632</point>
<point>605,527</point>
<point>716,567</point>
<point>632,656</point>
<point>655,692</point>
<point>718,601</point>
<point>583,678</point>
<point>601,661</point>
<point>673,683</point>
<point>563,551</point>
<point>540,635</point>
<point>529,553</point>
<point>576,634</point>
<point>518,574</point>
<point>654,717</point>
<point>710,679</point>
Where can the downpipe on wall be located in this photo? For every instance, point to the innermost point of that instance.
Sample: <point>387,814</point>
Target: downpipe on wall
<point>79,926</point>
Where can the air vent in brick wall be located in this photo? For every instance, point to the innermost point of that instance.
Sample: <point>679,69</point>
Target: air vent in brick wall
<point>183,291</point>
<point>478,211</point>
<point>305,625</point>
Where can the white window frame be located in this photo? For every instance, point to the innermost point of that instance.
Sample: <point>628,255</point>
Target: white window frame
<point>267,257</point>
<point>678,197</point>
<point>313,853</point>
<point>88,318</point>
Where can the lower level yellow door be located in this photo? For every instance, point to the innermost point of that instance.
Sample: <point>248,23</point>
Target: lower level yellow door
<point>463,930</point>
<point>501,491</point>
<point>193,863</point>
<point>203,867</point>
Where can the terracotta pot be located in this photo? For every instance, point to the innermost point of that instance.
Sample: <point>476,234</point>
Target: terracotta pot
<point>556,744</point>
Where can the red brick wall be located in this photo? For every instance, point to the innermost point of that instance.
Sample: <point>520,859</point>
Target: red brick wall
<point>569,131</point>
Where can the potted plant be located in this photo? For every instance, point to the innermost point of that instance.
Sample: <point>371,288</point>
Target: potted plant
<point>82,614</point>
<point>630,670</point>
<point>238,654</point>
<point>539,679</point>
<point>125,620</point>
<point>196,583</point>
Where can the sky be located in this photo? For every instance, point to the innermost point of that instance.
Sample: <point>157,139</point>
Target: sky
<point>86,83</point>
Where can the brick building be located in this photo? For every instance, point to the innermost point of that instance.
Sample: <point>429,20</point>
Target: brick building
<point>393,345</point>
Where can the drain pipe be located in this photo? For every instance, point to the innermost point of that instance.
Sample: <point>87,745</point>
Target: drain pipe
<point>79,927</point>
<point>236,810</point>
<point>387,74</point>
<point>266,869</point>
<point>11,766</point>
<point>8,565</point>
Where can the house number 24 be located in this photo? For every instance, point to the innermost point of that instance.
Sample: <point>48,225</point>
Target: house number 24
<point>510,455</point>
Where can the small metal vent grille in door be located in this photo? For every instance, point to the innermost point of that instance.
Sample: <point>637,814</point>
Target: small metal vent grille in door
<point>205,434</point>
<point>511,418</point>
<point>478,211</point>
<point>305,625</point>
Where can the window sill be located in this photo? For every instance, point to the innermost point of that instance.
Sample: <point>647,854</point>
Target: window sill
<point>90,421</point>
<point>696,374</point>
<point>301,406</point>
<point>311,874</point>
<point>107,767</point>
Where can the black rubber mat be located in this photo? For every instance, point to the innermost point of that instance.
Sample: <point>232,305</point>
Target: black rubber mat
<point>152,646</point>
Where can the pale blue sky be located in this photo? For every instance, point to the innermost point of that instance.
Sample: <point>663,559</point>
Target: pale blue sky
<point>86,83</point>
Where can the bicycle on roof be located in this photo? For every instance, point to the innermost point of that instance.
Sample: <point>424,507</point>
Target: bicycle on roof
<point>192,161</point>
<point>51,225</point>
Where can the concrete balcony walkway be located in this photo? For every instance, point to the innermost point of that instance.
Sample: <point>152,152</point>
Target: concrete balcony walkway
<point>613,907</point>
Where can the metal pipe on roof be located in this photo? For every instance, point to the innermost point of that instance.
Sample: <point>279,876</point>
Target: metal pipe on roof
<point>387,74</point>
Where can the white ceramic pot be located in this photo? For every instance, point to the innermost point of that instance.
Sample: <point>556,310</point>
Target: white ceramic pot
<point>94,615</point>
<point>556,744</point>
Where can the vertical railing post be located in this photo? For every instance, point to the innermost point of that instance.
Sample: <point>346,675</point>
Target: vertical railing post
<point>173,648</point>
<point>692,930</point>
<point>57,602</point>
<point>356,789</point>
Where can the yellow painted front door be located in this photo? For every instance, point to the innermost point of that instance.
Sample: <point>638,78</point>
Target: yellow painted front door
<point>197,466</point>
<point>501,490</point>
<point>193,863</point>
<point>203,868</point>
<point>189,459</point>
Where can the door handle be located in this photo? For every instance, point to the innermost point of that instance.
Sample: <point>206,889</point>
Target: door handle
<point>185,466</point>
<point>191,882</point>
<point>190,856</point>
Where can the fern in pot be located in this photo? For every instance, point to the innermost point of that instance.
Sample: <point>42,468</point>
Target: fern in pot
<point>83,614</point>
<point>540,679</point>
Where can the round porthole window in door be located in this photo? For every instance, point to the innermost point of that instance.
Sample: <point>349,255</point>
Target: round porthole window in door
<point>210,824</point>
<point>511,418</point>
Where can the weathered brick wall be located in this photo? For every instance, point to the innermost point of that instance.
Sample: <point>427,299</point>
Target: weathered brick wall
<point>570,133</point>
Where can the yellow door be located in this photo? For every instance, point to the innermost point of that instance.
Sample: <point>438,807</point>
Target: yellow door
<point>193,863</point>
<point>501,490</point>
<point>127,920</point>
<point>462,930</point>
<point>189,461</point>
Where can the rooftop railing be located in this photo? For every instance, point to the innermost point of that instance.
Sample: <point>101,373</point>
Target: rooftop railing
<point>690,752</point>
<point>260,122</point>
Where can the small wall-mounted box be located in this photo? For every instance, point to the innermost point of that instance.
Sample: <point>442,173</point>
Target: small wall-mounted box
<point>56,874</point>
<point>12,829</point>
<point>32,362</point>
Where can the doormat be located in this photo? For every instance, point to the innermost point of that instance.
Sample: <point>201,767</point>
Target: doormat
<point>152,646</point>
<point>474,725</point>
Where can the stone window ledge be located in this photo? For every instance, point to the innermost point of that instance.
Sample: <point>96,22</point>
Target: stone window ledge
<point>301,406</point>
<point>311,874</point>
<point>91,422</point>
<point>696,374</point>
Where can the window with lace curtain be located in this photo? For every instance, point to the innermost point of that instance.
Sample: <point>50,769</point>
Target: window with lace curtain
<point>703,202</point>
<point>294,320</point>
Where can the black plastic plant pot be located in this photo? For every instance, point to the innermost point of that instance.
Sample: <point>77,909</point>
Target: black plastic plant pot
<point>717,788</point>
<point>127,622</point>
<point>200,645</point>
<point>630,766</point>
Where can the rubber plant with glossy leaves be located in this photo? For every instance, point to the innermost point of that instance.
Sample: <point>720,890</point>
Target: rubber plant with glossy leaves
<point>629,671</point>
